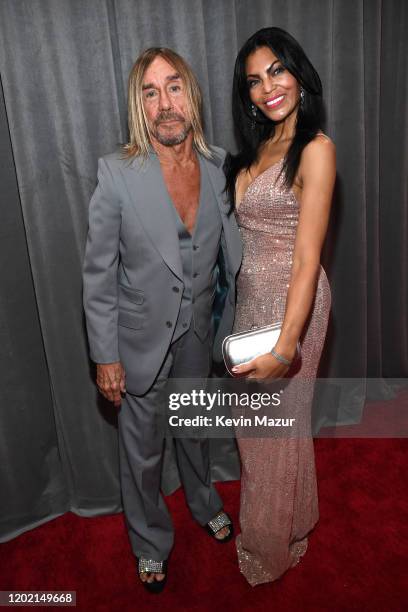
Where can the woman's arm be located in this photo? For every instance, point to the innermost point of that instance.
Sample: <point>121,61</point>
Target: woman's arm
<point>317,172</point>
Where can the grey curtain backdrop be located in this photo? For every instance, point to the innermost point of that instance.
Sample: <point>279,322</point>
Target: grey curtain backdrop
<point>64,67</point>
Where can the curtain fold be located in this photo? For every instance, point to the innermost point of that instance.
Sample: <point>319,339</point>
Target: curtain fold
<point>33,484</point>
<point>64,68</point>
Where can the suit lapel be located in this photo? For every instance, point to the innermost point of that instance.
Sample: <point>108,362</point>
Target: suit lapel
<point>231,232</point>
<point>147,190</point>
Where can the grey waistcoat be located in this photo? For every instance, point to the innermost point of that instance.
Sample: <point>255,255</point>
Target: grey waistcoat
<point>196,262</point>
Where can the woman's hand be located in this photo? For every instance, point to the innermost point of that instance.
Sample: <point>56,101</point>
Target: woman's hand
<point>262,367</point>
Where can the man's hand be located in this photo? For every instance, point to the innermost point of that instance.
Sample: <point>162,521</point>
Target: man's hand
<point>110,379</point>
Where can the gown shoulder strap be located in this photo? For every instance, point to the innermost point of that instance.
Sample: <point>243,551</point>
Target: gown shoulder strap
<point>322,134</point>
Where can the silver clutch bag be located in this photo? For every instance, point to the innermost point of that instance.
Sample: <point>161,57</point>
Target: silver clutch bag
<point>244,346</point>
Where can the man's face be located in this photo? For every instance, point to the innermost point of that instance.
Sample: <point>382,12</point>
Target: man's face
<point>165,103</point>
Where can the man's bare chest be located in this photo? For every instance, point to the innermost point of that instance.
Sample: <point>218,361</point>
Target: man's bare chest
<point>184,191</point>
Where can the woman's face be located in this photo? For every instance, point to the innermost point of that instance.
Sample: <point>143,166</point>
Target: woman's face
<point>272,88</point>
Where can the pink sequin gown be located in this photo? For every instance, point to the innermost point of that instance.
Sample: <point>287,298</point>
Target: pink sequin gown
<point>279,503</point>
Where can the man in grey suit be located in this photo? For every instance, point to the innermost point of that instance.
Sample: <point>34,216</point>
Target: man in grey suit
<point>158,221</point>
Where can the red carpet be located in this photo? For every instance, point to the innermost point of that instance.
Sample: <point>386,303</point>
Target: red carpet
<point>357,557</point>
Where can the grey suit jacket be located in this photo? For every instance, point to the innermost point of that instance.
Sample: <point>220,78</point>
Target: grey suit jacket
<point>133,279</point>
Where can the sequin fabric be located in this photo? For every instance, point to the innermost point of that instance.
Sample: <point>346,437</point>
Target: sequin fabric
<point>279,502</point>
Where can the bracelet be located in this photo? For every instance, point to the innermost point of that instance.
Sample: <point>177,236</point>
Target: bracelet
<point>280,357</point>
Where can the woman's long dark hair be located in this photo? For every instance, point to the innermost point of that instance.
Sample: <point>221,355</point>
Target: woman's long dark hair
<point>253,131</point>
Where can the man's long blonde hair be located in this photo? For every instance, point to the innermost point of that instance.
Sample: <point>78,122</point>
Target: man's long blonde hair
<point>139,142</point>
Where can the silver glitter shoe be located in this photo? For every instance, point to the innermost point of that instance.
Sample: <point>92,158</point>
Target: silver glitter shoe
<point>149,566</point>
<point>220,520</point>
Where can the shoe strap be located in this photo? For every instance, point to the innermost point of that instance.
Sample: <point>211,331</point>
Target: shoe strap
<point>151,566</point>
<point>219,521</point>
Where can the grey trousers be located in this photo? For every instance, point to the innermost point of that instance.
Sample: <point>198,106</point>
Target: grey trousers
<point>141,446</point>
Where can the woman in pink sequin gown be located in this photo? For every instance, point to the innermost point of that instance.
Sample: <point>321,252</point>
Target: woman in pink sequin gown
<point>282,182</point>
